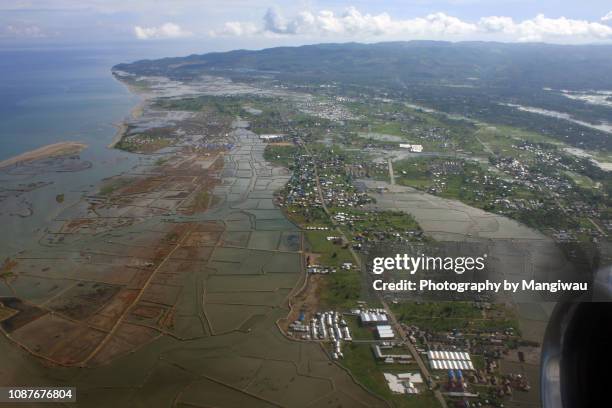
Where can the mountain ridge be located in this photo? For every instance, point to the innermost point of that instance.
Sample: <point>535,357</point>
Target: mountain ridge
<point>577,67</point>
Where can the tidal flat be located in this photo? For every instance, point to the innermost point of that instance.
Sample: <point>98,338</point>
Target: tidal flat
<point>165,284</point>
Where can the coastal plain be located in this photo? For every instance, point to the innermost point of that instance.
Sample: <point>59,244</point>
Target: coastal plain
<point>165,287</point>
<point>244,209</point>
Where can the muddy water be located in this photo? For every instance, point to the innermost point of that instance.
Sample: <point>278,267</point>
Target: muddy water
<point>25,210</point>
<point>514,251</point>
<point>237,268</point>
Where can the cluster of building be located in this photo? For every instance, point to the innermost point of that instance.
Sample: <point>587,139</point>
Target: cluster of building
<point>414,148</point>
<point>449,360</point>
<point>378,319</point>
<point>320,270</point>
<point>433,134</point>
<point>530,177</point>
<point>344,218</point>
<point>381,354</point>
<point>503,385</point>
<point>403,383</point>
<point>336,187</point>
<point>326,326</point>
<point>549,174</point>
<point>327,109</point>
<point>456,381</point>
<point>370,317</point>
<point>482,186</point>
<point>301,189</point>
<point>273,137</point>
<point>444,351</point>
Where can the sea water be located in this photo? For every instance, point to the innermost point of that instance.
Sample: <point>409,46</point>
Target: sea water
<point>52,95</point>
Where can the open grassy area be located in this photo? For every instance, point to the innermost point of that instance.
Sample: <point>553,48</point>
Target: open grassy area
<point>446,316</point>
<point>503,139</point>
<point>358,331</point>
<point>436,309</point>
<point>389,128</point>
<point>438,316</point>
<point>308,216</point>
<point>413,173</point>
<point>341,290</point>
<point>358,358</point>
<point>581,180</point>
<point>386,221</point>
<point>282,155</point>
<point>331,254</point>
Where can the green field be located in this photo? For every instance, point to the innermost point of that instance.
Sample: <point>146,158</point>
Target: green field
<point>331,254</point>
<point>280,155</point>
<point>358,358</point>
<point>447,316</point>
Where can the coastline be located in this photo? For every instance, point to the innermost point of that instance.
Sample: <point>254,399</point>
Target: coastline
<point>122,127</point>
<point>44,152</point>
<point>135,113</point>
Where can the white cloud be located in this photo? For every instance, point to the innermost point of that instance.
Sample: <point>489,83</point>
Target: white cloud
<point>497,24</point>
<point>355,24</point>
<point>166,30</point>
<point>351,23</point>
<point>235,29</point>
<point>22,30</point>
<point>542,28</point>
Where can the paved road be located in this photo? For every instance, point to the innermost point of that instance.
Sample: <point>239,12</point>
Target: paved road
<point>415,354</point>
<point>391,175</point>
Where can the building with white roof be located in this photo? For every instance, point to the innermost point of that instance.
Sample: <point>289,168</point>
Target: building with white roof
<point>384,332</point>
<point>373,317</point>
<point>403,383</point>
<point>450,360</point>
<point>271,136</point>
<point>416,148</point>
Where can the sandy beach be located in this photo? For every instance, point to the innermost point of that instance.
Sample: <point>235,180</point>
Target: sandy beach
<point>52,150</point>
<point>122,127</point>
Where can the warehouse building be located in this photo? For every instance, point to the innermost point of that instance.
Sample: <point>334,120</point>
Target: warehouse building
<point>384,332</point>
<point>449,360</point>
<point>373,317</point>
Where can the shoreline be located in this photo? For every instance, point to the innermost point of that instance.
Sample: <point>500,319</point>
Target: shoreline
<point>122,127</point>
<point>44,152</point>
<point>134,113</point>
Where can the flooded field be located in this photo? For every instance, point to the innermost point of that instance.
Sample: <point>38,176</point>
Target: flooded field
<point>603,126</point>
<point>166,283</point>
<point>514,251</point>
<point>141,292</point>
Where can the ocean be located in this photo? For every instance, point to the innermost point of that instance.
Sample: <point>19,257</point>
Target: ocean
<point>53,95</point>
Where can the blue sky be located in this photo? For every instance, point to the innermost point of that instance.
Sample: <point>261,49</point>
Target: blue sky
<point>220,25</point>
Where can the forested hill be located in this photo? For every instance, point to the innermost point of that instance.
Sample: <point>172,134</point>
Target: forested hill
<point>479,80</point>
<point>484,63</point>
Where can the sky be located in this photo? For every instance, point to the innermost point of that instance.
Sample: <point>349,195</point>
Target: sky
<point>216,25</point>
